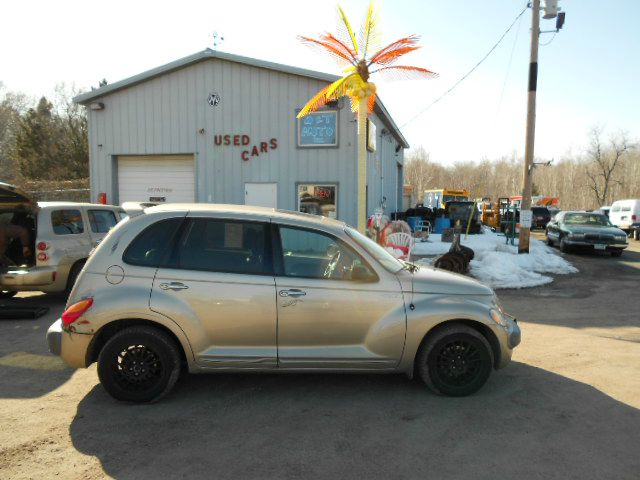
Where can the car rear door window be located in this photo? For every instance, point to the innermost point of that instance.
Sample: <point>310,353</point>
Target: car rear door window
<point>67,222</point>
<point>225,246</point>
<point>151,246</point>
<point>101,221</point>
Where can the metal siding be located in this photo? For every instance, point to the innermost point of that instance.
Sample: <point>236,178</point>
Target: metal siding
<point>164,115</point>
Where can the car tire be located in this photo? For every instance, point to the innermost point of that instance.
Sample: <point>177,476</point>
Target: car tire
<point>564,248</point>
<point>549,241</point>
<point>73,276</point>
<point>616,253</point>
<point>455,361</point>
<point>7,294</point>
<point>139,364</point>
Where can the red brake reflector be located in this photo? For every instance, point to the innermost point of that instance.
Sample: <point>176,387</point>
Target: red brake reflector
<point>43,257</point>
<point>75,311</point>
<point>42,246</point>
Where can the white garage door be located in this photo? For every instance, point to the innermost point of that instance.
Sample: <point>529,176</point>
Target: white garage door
<point>156,178</point>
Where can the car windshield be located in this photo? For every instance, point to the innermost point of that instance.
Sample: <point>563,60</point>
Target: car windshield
<point>388,261</point>
<point>587,219</point>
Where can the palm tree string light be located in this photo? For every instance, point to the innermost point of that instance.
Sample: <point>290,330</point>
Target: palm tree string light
<point>353,56</point>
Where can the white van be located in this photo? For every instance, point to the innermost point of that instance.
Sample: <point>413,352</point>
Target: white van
<point>625,214</point>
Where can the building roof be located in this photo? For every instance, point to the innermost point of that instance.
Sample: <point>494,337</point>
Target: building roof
<point>206,54</point>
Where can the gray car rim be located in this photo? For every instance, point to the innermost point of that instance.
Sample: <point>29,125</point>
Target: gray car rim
<point>137,368</point>
<point>458,363</point>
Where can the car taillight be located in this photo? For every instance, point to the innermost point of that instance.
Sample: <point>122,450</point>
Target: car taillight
<point>633,217</point>
<point>43,257</point>
<point>75,311</point>
<point>42,246</point>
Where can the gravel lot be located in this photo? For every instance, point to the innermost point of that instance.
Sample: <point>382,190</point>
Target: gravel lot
<point>567,407</point>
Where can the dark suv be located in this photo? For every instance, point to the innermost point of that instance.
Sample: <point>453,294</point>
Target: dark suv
<point>540,216</point>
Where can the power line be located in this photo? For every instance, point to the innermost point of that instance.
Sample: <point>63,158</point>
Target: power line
<point>464,77</point>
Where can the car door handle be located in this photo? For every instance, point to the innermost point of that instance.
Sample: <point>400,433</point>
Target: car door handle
<point>173,286</point>
<point>293,292</point>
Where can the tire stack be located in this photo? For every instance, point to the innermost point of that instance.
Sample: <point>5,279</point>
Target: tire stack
<point>455,260</point>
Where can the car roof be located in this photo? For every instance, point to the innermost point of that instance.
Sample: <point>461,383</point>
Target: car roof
<point>245,210</point>
<point>75,204</point>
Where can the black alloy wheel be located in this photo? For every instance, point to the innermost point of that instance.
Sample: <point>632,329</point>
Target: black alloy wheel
<point>455,361</point>
<point>139,364</point>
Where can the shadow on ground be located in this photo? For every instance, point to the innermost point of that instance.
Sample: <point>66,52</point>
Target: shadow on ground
<point>525,423</point>
<point>27,369</point>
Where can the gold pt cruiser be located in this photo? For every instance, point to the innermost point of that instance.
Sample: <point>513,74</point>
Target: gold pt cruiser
<point>208,288</point>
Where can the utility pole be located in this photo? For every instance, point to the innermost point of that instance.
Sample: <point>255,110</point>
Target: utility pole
<point>525,232</point>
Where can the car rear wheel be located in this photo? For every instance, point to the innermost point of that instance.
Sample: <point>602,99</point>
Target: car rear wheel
<point>455,361</point>
<point>139,364</point>
<point>7,293</point>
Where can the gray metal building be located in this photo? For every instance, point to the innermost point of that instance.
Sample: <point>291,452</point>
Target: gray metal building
<point>221,128</point>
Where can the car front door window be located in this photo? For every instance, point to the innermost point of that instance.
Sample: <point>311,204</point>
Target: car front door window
<point>310,254</point>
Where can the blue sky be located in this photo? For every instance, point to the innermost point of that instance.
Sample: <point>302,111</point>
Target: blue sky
<point>588,73</point>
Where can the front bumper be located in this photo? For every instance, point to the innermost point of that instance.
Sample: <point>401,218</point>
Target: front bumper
<point>592,245</point>
<point>514,336</point>
<point>71,347</point>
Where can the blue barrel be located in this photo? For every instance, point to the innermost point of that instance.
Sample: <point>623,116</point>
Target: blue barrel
<point>412,221</point>
<point>441,224</point>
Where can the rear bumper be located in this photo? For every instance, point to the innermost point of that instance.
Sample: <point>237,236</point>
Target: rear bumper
<point>54,337</point>
<point>16,279</point>
<point>71,347</point>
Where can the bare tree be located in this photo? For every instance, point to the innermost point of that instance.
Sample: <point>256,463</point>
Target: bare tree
<point>603,163</point>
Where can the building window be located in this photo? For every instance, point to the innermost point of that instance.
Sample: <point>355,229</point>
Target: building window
<point>318,199</point>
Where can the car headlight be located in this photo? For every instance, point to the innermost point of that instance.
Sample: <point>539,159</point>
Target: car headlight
<point>497,317</point>
<point>576,235</point>
<point>621,238</point>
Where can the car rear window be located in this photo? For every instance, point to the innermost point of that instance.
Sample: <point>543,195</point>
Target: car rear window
<point>225,246</point>
<point>101,221</point>
<point>150,247</point>
<point>67,222</point>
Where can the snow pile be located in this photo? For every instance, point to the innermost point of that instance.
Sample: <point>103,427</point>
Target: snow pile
<point>498,264</point>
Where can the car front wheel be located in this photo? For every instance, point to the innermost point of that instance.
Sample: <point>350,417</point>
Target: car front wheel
<point>139,364</point>
<point>455,361</point>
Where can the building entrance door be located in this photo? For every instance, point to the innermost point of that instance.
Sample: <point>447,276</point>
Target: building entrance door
<point>261,194</point>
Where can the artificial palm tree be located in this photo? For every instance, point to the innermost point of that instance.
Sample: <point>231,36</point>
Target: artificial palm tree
<point>355,84</point>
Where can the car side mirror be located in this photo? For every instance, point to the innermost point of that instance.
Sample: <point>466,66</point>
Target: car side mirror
<point>360,273</point>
